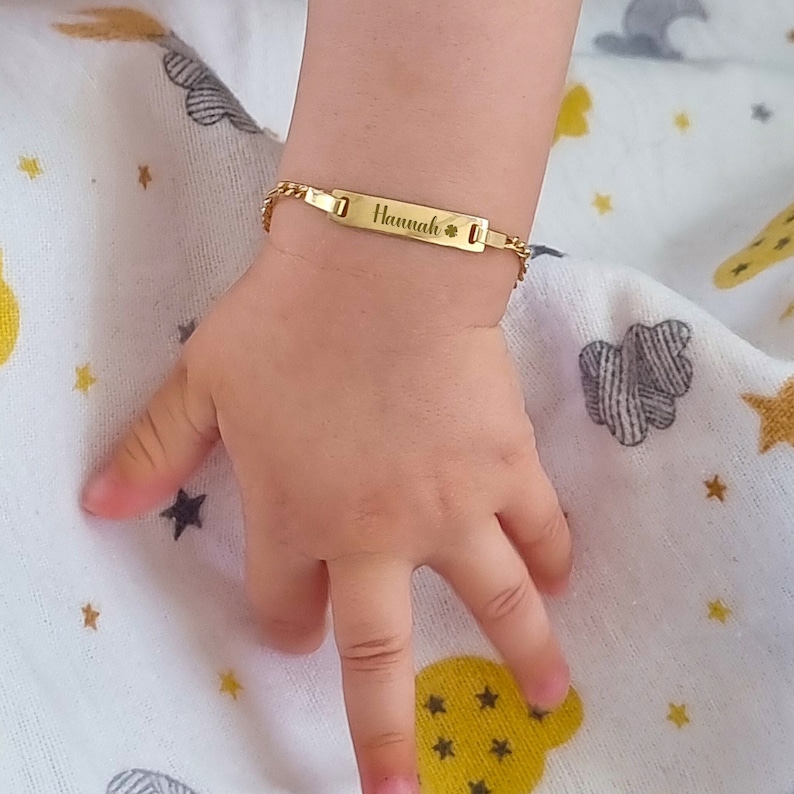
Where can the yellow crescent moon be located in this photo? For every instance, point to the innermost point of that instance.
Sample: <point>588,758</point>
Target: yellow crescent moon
<point>114,24</point>
<point>773,244</point>
<point>572,121</point>
<point>9,318</point>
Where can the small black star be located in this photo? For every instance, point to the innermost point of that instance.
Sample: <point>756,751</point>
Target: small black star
<point>537,714</point>
<point>782,243</point>
<point>435,705</point>
<point>186,331</point>
<point>184,512</point>
<point>479,788</point>
<point>487,699</point>
<point>740,268</point>
<point>501,749</point>
<point>444,748</point>
<point>762,113</point>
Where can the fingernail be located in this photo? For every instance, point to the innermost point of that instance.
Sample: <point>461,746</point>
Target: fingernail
<point>98,491</point>
<point>553,691</point>
<point>395,785</point>
<point>559,587</point>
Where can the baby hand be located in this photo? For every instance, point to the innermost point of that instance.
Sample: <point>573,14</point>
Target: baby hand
<point>368,440</point>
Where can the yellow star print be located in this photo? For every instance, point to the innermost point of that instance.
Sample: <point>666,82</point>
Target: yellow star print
<point>716,488</point>
<point>682,121</point>
<point>719,611</point>
<point>603,203</point>
<point>144,176</point>
<point>30,166</point>
<point>229,684</point>
<point>789,313</point>
<point>777,416</point>
<point>677,715</point>
<point>84,379</point>
<point>90,616</point>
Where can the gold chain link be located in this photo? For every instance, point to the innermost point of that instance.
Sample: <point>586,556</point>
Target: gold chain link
<point>524,252</point>
<point>281,189</point>
<point>520,247</point>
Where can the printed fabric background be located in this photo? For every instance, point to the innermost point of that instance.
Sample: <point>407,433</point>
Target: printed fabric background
<point>655,340</point>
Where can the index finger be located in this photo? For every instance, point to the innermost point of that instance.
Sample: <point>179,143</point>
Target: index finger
<point>371,603</point>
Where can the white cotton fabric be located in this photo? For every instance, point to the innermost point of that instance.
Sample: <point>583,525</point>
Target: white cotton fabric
<point>104,272</point>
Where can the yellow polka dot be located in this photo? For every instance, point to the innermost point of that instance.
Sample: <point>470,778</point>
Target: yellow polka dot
<point>488,743</point>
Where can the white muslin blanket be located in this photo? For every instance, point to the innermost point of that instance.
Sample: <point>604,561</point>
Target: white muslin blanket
<point>654,337</point>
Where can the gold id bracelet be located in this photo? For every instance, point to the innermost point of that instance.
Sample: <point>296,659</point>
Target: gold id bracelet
<point>389,216</point>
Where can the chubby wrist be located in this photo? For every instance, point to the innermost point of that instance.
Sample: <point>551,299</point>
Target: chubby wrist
<point>462,285</point>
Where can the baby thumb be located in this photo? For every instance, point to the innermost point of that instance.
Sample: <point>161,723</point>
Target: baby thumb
<point>159,452</point>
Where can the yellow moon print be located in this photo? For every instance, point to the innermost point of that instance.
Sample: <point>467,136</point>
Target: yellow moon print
<point>114,24</point>
<point>477,735</point>
<point>9,318</point>
<point>572,121</point>
<point>772,245</point>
